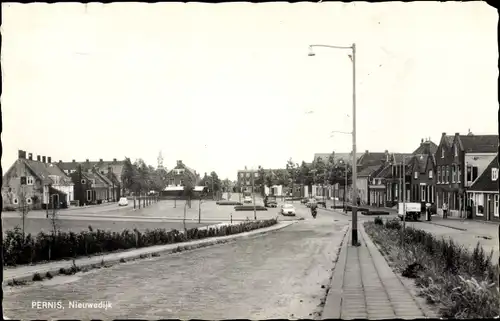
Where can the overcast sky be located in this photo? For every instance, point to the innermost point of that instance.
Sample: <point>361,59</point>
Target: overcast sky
<point>221,86</point>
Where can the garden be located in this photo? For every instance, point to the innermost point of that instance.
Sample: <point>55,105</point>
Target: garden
<point>27,249</point>
<point>461,283</point>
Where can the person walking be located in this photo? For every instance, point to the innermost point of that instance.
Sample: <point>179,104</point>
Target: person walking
<point>428,211</point>
<point>445,210</point>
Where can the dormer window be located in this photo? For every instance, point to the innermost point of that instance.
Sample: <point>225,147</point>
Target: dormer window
<point>494,174</point>
<point>30,180</point>
<point>442,153</point>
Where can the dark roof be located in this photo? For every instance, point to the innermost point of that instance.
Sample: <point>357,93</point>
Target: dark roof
<point>369,170</point>
<point>484,182</point>
<point>399,157</point>
<point>479,143</point>
<point>116,166</point>
<point>421,161</point>
<point>369,159</point>
<point>386,172</point>
<point>449,140</point>
<point>427,147</point>
<point>44,170</point>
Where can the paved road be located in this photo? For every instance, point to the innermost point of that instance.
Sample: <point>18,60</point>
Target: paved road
<point>278,275</point>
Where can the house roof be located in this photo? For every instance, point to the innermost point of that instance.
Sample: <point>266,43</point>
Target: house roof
<point>369,170</point>
<point>386,172</point>
<point>484,182</point>
<point>116,166</point>
<point>421,161</point>
<point>399,157</point>
<point>449,140</point>
<point>45,170</point>
<point>369,159</point>
<point>479,143</point>
<point>347,157</point>
<point>426,147</point>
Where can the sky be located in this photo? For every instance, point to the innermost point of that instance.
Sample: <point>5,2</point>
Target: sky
<point>224,86</point>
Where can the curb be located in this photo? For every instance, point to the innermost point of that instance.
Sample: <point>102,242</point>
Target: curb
<point>132,254</point>
<point>448,226</point>
<point>333,301</point>
<point>428,313</point>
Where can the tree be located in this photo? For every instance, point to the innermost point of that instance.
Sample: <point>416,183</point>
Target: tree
<point>260,181</point>
<point>293,173</point>
<point>25,203</point>
<point>269,181</point>
<point>129,176</point>
<point>188,189</point>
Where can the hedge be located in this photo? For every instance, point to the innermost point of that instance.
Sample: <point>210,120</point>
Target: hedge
<point>462,283</point>
<point>228,203</point>
<point>250,208</point>
<point>65,245</point>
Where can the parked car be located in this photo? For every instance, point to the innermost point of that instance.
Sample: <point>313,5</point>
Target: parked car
<point>270,201</point>
<point>123,201</point>
<point>247,199</point>
<point>288,209</point>
<point>304,200</point>
<point>310,202</point>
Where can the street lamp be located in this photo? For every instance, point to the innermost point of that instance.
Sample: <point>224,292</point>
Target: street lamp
<point>354,169</point>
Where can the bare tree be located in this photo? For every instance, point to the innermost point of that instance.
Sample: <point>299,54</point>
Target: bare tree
<point>24,206</point>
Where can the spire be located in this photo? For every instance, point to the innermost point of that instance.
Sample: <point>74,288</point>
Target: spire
<point>160,161</point>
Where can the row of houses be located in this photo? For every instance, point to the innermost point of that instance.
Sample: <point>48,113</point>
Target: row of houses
<point>461,172</point>
<point>41,182</point>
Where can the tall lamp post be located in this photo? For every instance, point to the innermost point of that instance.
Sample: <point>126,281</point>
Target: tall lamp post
<point>354,169</point>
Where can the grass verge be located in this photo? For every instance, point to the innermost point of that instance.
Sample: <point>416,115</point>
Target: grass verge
<point>463,284</point>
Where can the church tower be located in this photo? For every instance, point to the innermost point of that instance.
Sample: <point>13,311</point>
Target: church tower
<point>160,161</point>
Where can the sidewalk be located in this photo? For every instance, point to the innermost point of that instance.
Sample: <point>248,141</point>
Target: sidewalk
<point>364,286</point>
<point>26,272</point>
<point>458,223</point>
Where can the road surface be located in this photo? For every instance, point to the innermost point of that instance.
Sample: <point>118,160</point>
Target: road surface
<point>278,275</point>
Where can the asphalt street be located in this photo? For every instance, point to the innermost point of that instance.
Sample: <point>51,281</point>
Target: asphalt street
<point>282,274</point>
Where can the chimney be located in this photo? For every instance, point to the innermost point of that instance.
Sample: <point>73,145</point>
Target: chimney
<point>43,159</point>
<point>38,158</point>
<point>21,154</point>
<point>444,134</point>
<point>30,156</point>
<point>49,159</point>
<point>114,160</point>
<point>179,162</point>
<point>73,161</point>
<point>366,151</point>
<point>422,141</point>
<point>87,160</point>
<point>457,134</point>
<point>60,161</point>
<point>100,160</point>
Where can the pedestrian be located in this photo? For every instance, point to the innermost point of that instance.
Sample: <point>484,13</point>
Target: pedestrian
<point>445,210</point>
<point>428,210</point>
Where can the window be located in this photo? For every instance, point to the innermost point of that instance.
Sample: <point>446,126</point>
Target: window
<point>469,174</point>
<point>242,175</point>
<point>474,173</point>
<point>30,180</point>
<point>83,182</point>
<point>495,205</point>
<point>416,175</point>
<point>442,153</point>
<point>453,173</point>
<point>430,173</point>
<point>248,174</point>
<point>181,182</point>
<point>459,174</point>
<point>447,177</point>
<point>89,195</point>
<point>256,174</point>
<point>15,201</point>
<point>422,193</point>
<point>439,175</point>
<point>456,151</point>
<point>494,174</point>
<point>479,203</point>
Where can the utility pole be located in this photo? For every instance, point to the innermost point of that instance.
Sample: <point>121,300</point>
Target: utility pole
<point>403,174</point>
<point>213,190</point>
<point>253,195</point>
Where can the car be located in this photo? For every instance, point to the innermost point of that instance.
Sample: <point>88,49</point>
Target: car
<point>123,201</point>
<point>288,209</point>
<point>304,200</point>
<point>310,202</point>
<point>247,199</point>
<point>270,201</point>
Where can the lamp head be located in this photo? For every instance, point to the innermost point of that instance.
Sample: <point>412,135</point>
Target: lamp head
<point>311,52</point>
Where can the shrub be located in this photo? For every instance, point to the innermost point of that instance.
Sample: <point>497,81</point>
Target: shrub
<point>37,277</point>
<point>463,283</point>
<point>64,245</point>
<point>378,221</point>
<point>393,224</point>
<point>48,275</point>
<point>250,208</point>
